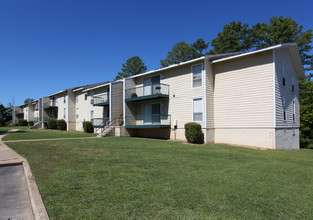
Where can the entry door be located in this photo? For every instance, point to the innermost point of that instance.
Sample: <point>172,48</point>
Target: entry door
<point>150,84</point>
<point>151,114</point>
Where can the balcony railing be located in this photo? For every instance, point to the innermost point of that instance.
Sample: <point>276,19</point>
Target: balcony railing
<point>100,100</point>
<point>151,91</point>
<point>19,113</point>
<point>50,104</point>
<point>99,122</point>
<point>36,108</point>
<point>148,121</point>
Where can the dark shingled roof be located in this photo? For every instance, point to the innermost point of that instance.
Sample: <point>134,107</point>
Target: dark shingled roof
<point>90,85</point>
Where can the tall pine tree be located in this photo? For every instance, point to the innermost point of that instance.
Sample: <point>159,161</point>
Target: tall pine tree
<point>133,66</point>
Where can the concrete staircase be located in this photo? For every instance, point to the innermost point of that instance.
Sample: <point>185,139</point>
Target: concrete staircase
<point>106,132</point>
<point>36,126</point>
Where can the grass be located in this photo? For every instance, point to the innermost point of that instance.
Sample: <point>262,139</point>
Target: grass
<point>5,129</point>
<point>119,178</point>
<point>25,134</point>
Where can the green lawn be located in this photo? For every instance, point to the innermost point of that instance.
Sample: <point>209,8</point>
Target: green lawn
<point>119,178</point>
<point>5,129</point>
<point>26,133</point>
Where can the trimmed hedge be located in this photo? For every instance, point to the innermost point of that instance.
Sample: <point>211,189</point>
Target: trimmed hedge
<point>193,133</point>
<point>22,122</point>
<point>61,124</point>
<point>52,123</point>
<point>30,123</point>
<point>88,127</point>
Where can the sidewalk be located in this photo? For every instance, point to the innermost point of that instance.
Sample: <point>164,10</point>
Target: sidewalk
<point>20,197</point>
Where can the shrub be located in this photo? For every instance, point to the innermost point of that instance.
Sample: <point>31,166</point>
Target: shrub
<point>30,123</point>
<point>193,133</point>
<point>22,122</point>
<point>88,127</point>
<point>306,142</point>
<point>61,124</point>
<point>52,123</point>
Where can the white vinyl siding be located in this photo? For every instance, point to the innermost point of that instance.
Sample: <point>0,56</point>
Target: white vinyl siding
<point>282,56</point>
<point>197,75</point>
<point>243,92</point>
<point>197,112</point>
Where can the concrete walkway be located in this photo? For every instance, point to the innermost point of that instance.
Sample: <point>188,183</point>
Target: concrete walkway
<point>19,194</point>
<point>50,139</point>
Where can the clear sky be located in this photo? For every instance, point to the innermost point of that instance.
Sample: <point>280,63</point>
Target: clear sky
<point>49,45</point>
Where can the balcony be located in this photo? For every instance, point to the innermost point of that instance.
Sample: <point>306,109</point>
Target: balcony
<point>99,122</point>
<point>147,92</point>
<point>100,100</point>
<point>19,113</point>
<point>36,108</point>
<point>50,104</point>
<point>148,121</point>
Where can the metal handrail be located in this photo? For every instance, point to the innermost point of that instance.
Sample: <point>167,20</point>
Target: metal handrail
<point>163,119</point>
<point>100,99</point>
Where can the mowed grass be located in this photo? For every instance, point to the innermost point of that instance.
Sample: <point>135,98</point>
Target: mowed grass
<point>26,134</point>
<point>120,177</point>
<point>5,129</point>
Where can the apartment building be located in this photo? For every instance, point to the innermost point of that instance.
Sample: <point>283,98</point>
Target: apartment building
<point>249,99</point>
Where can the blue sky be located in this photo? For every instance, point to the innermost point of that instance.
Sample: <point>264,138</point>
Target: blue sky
<point>46,46</point>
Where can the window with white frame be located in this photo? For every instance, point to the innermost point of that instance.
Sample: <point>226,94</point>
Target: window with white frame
<point>294,111</point>
<point>197,112</point>
<point>76,99</point>
<point>76,113</point>
<point>91,97</point>
<point>197,76</point>
<point>64,98</point>
<point>293,84</point>
<point>64,113</point>
<point>284,108</point>
<point>284,74</point>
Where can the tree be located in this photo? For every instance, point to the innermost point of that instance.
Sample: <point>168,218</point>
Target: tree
<point>133,66</point>
<point>28,100</point>
<point>234,37</point>
<point>306,112</point>
<point>283,30</point>
<point>180,52</point>
<point>4,115</point>
<point>200,46</point>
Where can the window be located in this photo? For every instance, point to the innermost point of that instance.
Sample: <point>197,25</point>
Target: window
<point>197,76</point>
<point>197,110</point>
<point>76,99</point>
<point>91,116</point>
<point>294,111</point>
<point>91,97</point>
<point>284,106</point>
<point>293,84</point>
<point>64,113</point>
<point>86,96</point>
<point>76,113</point>
<point>284,75</point>
<point>64,98</point>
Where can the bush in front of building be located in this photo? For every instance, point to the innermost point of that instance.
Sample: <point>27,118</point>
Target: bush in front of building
<point>88,127</point>
<point>52,123</point>
<point>193,133</point>
<point>30,123</point>
<point>22,122</point>
<point>61,125</point>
